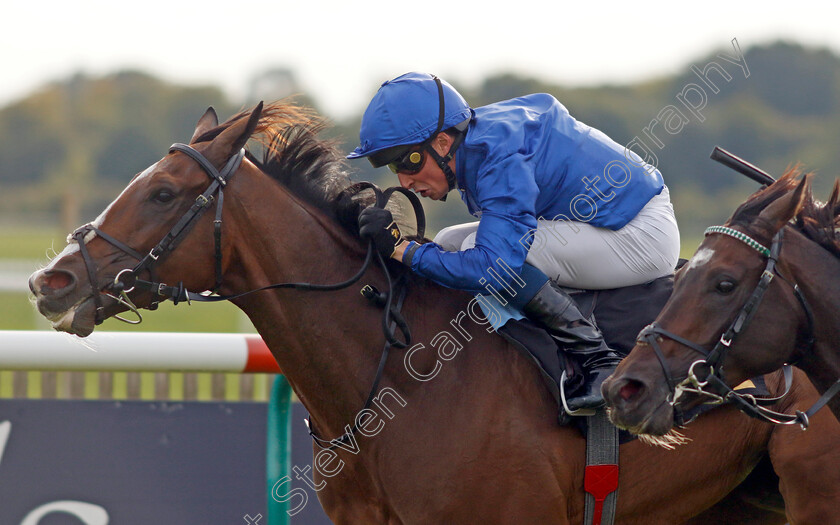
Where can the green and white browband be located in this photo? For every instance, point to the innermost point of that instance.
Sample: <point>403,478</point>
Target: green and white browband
<point>743,237</point>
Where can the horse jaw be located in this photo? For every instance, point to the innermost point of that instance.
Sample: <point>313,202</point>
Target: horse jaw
<point>659,422</point>
<point>77,320</point>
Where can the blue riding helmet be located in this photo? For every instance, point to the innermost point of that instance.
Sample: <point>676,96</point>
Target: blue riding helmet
<point>406,111</point>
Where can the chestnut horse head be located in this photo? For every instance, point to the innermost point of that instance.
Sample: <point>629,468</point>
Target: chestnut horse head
<point>158,226</point>
<point>749,301</point>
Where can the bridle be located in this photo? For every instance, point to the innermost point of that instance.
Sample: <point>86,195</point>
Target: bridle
<point>709,382</point>
<point>128,280</point>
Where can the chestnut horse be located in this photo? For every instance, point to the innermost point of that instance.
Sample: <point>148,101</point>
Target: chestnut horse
<point>464,430</point>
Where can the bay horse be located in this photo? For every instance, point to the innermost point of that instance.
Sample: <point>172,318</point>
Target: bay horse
<point>780,240</point>
<point>794,322</point>
<point>462,429</point>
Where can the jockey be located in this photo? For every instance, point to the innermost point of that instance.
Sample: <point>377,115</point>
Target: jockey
<point>558,202</point>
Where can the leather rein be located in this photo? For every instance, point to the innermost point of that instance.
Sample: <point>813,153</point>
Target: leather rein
<point>710,382</point>
<point>128,280</point>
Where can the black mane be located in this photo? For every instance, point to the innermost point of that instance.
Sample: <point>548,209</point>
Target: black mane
<point>819,221</point>
<point>816,220</point>
<point>746,214</point>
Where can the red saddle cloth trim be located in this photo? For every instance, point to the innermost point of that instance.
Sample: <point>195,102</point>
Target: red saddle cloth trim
<point>600,481</point>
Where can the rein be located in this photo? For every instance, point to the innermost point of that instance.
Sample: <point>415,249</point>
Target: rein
<point>128,280</point>
<point>712,363</point>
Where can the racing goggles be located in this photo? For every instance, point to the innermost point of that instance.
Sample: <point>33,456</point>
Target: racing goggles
<point>400,159</point>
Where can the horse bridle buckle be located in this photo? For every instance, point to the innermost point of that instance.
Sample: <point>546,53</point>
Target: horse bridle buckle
<point>203,201</point>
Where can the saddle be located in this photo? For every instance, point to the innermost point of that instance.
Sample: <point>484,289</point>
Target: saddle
<point>619,313</point>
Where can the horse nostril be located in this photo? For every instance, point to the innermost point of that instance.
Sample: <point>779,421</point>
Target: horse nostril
<point>52,282</point>
<point>58,280</point>
<point>630,389</point>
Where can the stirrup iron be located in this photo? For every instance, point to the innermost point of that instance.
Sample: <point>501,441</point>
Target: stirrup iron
<point>585,412</point>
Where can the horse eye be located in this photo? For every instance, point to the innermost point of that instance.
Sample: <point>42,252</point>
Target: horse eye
<point>725,286</point>
<point>163,196</point>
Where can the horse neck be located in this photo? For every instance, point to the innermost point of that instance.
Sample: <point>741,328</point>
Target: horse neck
<point>816,272</point>
<point>326,343</point>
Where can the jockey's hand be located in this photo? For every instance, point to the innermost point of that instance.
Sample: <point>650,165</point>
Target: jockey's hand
<point>378,225</point>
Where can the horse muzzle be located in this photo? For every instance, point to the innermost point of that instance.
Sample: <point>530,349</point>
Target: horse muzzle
<point>58,298</point>
<point>637,406</point>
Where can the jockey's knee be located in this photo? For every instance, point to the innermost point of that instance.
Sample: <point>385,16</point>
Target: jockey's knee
<point>452,237</point>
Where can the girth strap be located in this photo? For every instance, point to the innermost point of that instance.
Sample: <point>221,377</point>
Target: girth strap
<point>601,476</point>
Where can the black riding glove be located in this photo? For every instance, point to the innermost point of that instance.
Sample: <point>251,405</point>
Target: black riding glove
<point>378,225</point>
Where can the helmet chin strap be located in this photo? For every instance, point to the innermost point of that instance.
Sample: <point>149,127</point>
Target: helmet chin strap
<point>443,161</point>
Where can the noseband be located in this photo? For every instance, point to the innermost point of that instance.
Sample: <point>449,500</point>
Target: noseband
<point>697,382</point>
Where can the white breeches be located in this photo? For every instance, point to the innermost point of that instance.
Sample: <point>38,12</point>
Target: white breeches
<point>578,255</point>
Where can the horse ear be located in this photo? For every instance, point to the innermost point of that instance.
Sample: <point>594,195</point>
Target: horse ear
<point>234,138</point>
<point>207,122</point>
<point>783,209</point>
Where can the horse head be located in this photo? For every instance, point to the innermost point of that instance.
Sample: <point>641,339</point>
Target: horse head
<point>660,376</point>
<point>154,226</point>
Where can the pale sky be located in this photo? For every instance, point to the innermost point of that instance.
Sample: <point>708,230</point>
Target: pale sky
<point>342,50</point>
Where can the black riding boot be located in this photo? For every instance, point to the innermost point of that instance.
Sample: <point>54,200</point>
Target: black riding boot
<point>557,312</point>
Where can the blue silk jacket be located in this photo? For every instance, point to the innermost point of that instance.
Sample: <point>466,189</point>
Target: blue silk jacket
<point>528,158</point>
